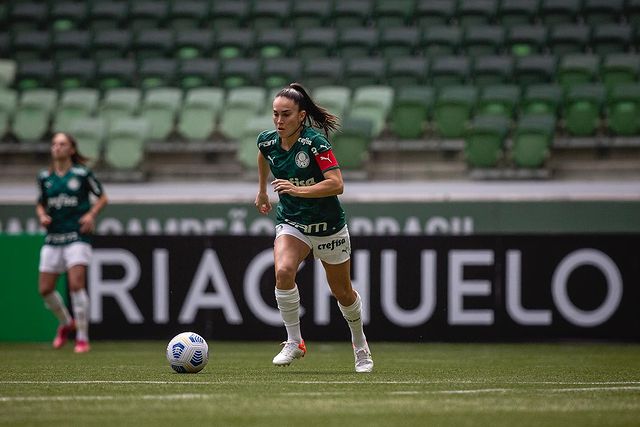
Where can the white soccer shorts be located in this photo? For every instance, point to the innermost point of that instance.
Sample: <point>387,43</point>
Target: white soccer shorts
<point>333,249</point>
<point>58,259</point>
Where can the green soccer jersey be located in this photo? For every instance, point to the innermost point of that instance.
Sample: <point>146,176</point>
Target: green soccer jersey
<point>66,199</point>
<point>303,164</point>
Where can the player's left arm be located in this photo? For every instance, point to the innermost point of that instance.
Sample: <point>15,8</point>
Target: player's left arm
<point>88,220</point>
<point>332,185</point>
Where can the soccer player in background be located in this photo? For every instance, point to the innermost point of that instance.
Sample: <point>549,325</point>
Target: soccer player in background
<point>309,216</point>
<point>64,208</point>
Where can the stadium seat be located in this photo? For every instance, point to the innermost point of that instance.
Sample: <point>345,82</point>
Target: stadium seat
<point>267,14</point>
<point>373,103</point>
<point>543,98</point>
<point>351,143</point>
<point>247,152</point>
<point>7,72</point>
<point>160,106</point>
<point>492,69</point>
<point>450,70</point>
<point>234,43</point>
<point>89,132</point>
<point>434,12</point>
<point>499,100</point>
<point>239,72</point>
<point>28,16</point>
<point>476,12</point>
<point>30,45</point>
<point>485,139</point>
<point>70,44</point>
<point>398,41</point>
<point>632,12</point>
<point>578,68</point>
<point>67,15</point>
<point>620,68</point>
<point>535,69</point>
<point>124,149</point>
<point>116,72</point>
<point>351,13</point>
<point>242,103</point>
<point>483,40</point>
<point>274,42</point>
<point>120,102</point>
<point>75,104</point>
<point>364,72</point>
<point>316,43</point>
<point>524,40</point>
<point>407,71</point>
<point>559,11</point>
<point>107,15</point>
<point>200,112</point>
<point>5,44</point>
<point>323,72</point>
<point>611,38</point>
<point>596,12</point>
<point>623,109</point>
<point>583,108</point>
<point>8,103</point>
<point>111,43</point>
<point>440,40</point>
<point>74,73</point>
<point>198,72</point>
<point>357,42</point>
<point>229,14</point>
<point>147,14</point>
<point>565,38</point>
<point>411,109</point>
<point>517,12</point>
<point>532,139</point>
<point>33,113</point>
<point>312,14</point>
<point>279,72</point>
<point>336,99</point>
<point>392,13</point>
<point>34,74</point>
<point>193,43</point>
<point>453,109</point>
<point>157,72</point>
<point>188,15</point>
<point>153,43</point>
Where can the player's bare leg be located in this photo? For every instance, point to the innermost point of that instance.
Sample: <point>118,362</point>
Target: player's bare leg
<point>53,301</point>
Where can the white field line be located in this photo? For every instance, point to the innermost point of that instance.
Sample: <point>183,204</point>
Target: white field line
<point>187,396</point>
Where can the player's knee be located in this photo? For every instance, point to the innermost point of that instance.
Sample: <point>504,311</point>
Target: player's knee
<point>285,275</point>
<point>343,294</point>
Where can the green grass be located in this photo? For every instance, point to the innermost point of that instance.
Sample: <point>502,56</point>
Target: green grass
<point>124,383</point>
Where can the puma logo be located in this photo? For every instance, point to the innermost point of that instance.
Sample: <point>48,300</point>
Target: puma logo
<point>325,158</point>
<point>270,159</point>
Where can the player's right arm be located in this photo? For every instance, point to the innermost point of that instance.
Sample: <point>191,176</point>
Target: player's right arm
<point>262,199</point>
<point>41,211</point>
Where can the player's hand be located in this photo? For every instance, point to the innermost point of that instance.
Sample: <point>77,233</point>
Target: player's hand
<point>87,223</point>
<point>45,220</point>
<point>283,186</point>
<point>262,203</point>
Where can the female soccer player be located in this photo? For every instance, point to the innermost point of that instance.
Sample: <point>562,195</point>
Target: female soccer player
<point>65,210</point>
<point>309,216</point>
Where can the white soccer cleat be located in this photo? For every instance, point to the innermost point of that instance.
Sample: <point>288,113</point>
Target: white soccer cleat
<point>291,351</point>
<point>364,362</point>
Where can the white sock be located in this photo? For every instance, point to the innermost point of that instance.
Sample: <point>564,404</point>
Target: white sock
<point>353,316</point>
<point>289,306</point>
<point>80,303</point>
<point>53,301</point>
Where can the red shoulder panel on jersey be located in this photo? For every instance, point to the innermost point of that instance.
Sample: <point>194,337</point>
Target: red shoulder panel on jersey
<point>326,160</point>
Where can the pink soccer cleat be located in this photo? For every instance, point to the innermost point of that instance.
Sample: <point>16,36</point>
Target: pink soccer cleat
<point>82,347</point>
<point>62,335</point>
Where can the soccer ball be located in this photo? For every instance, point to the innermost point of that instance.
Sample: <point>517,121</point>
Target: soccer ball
<point>187,352</point>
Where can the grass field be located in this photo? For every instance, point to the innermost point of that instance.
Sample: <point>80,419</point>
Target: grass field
<point>125,383</point>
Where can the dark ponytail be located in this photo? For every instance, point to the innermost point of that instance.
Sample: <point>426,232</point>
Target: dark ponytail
<point>317,116</point>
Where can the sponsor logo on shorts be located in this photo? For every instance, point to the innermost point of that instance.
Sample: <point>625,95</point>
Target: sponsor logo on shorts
<point>335,243</point>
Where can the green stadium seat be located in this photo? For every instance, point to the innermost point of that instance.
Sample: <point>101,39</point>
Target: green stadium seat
<point>111,43</point>
<point>357,42</point>
<point>188,14</point>
<point>450,70</point>
<point>623,109</point>
<point>559,11</point>
<point>67,15</point>
<point>8,103</point>
<point>200,112</point>
<point>157,72</point>
<point>535,69</point>
<point>543,98</point>
<point>160,107</point>
<point>476,12</point>
<point>517,12</point>
<point>229,14</point>
<point>398,41</point>
<point>485,140</point>
<point>5,44</point>
<point>611,38</point>
<point>336,99</point>
<point>316,43</point>
<point>499,100</point>
<point>351,143</point>
<point>632,12</point>
<point>34,74</point>
<point>578,68</point>
<point>279,72</point>
<point>198,72</point>
<point>74,104</point>
<point>392,13</point>
<point>351,13</point>
<point>89,133</point>
<point>147,14</point>
<point>71,44</point>
<point>30,45</point>
<point>583,108</point>
<point>565,38</point>
<point>524,40</point>
<point>323,72</point>
<point>247,152</point>
<point>407,71</point>
<point>74,73</point>
<point>107,15</point>
<point>126,139</point>
<point>193,43</point>
<point>120,102</point>
<point>373,103</point>
<point>434,12</point>
<point>440,40</point>
<point>312,14</point>
<point>27,16</point>
<point>242,103</point>
<point>234,43</point>
<point>364,72</point>
<point>596,12</point>
<point>492,69</point>
<point>116,72</point>
<point>153,43</point>
<point>412,107</point>
<point>483,40</point>
<point>33,113</point>
<point>274,42</point>
<point>620,68</point>
<point>239,72</point>
<point>532,140</point>
<point>267,14</point>
<point>453,109</point>
<point>7,72</point>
